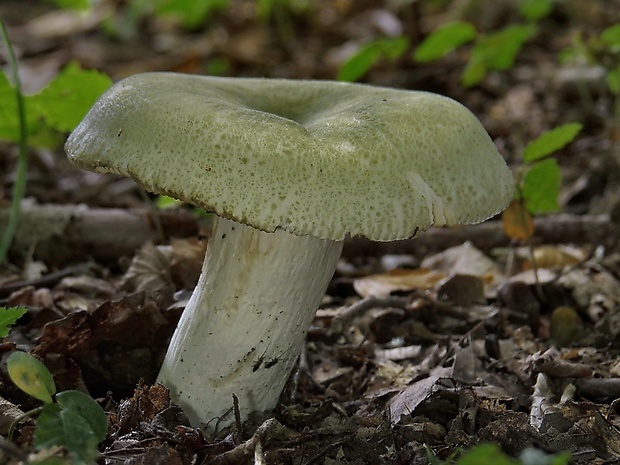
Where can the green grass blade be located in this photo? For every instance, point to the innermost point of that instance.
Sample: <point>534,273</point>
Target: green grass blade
<point>22,161</point>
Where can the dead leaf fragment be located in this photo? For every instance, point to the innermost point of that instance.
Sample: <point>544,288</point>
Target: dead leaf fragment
<point>407,401</point>
<point>554,256</point>
<point>465,259</point>
<point>517,221</point>
<point>382,285</point>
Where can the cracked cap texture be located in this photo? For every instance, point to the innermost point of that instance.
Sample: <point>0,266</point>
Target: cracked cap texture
<point>312,157</point>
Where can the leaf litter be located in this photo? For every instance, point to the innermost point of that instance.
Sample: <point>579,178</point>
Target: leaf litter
<point>514,346</point>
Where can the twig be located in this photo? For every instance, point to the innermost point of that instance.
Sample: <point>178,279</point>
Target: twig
<point>553,229</point>
<point>269,429</point>
<point>48,280</point>
<point>340,321</point>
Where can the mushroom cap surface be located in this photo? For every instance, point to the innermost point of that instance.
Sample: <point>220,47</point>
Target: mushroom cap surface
<point>322,158</point>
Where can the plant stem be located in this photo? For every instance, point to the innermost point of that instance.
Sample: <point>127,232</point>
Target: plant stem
<point>22,161</point>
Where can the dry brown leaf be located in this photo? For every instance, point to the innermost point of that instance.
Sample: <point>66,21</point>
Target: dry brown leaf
<point>467,260</point>
<point>555,256</point>
<point>517,221</point>
<point>382,285</point>
<point>149,269</point>
<point>407,401</point>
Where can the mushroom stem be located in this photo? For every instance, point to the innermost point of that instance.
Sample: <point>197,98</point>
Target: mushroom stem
<point>244,326</point>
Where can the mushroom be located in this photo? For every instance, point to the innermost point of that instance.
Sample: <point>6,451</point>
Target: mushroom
<point>290,168</point>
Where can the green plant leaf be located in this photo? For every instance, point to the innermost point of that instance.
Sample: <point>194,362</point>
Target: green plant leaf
<point>613,80</point>
<point>500,48</point>
<point>444,40</point>
<point>88,408</point>
<point>191,13</point>
<point>475,70</point>
<point>611,36</point>
<point>8,317</point>
<point>361,61</point>
<point>485,454</point>
<point>76,422</point>
<point>541,186</point>
<point>67,99</point>
<point>551,141</point>
<point>9,116</point>
<point>358,64</point>
<point>496,51</point>
<point>78,5</point>
<point>31,376</point>
<point>535,10</point>
<point>394,47</point>
<point>163,201</point>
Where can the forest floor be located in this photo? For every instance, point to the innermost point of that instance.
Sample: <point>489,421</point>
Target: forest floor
<point>458,337</point>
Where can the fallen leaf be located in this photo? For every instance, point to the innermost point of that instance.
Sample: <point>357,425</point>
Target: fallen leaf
<point>517,221</point>
<point>465,259</point>
<point>382,285</point>
<point>408,400</point>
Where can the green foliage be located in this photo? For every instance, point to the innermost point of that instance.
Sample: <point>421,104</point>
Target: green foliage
<point>491,454</point>
<point>60,106</point>
<point>65,101</point>
<point>538,185</point>
<point>496,52</point>
<point>444,40</point>
<point>483,454</point>
<point>31,376</point>
<point>69,419</point>
<point>8,317</point>
<point>611,36</point>
<point>602,50</point>
<point>78,5</point>
<point>17,103</point>
<point>551,141</point>
<point>9,114</point>
<point>613,80</point>
<point>535,10</point>
<point>359,63</point>
<point>267,8</point>
<point>75,422</point>
<point>191,13</point>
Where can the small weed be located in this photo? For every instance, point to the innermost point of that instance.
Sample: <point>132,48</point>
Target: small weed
<point>69,419</point>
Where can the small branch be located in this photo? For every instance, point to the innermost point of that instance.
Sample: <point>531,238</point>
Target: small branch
<point>107,234</point>
<point>64,233</point>
<point>270,429</point>
<point>342,320</point>
<point>553,229</point>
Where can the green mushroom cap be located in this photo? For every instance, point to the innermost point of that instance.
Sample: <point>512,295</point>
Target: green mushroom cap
<point>317,158</point>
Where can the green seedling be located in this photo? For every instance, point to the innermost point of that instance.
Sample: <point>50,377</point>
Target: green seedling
<point>8,317</point>
<point>389,49</point>
<point>31,376</point>
<point>40,119</point>
<point>491,454</point>
<point>537,183</point>
<point>495,51</point>
<point>69,419</point>
<point>602,51</point>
